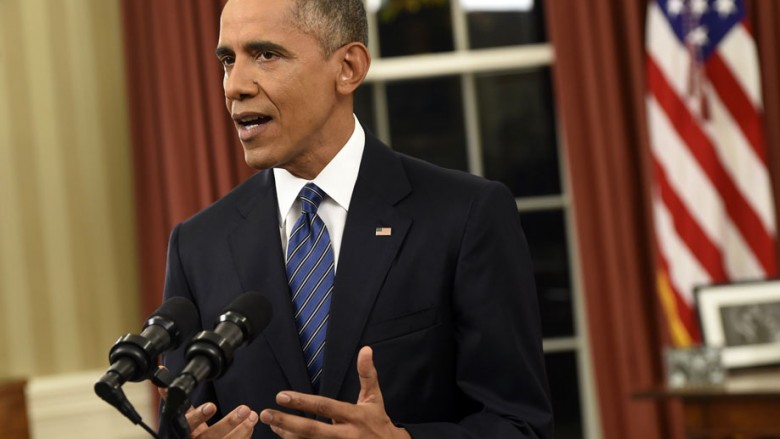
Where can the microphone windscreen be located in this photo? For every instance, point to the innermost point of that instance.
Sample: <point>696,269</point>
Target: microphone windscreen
<point>182,313</point>
<point>255,308</point>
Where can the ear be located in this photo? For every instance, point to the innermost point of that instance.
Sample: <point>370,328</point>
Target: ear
<point>355,61</point>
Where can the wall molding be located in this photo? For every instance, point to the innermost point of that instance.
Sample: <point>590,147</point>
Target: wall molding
<point>65,406</point>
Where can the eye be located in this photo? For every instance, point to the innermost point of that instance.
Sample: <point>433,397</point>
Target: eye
<point>227,61</point>
<point>267,56</point>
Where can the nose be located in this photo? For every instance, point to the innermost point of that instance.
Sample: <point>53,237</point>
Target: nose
<point>238,82</point>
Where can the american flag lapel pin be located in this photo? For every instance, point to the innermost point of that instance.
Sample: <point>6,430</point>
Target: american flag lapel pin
<point>384,231</point>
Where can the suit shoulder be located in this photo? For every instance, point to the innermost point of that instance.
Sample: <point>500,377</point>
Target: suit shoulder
<point>427,176</point>
<point>239,199</point>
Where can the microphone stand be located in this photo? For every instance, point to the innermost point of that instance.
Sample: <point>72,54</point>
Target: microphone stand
<point>172,425</point>
<point>109,390</point>
<point>175,428</point>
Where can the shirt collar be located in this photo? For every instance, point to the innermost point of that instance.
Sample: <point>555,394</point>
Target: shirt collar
<point>337,179</point>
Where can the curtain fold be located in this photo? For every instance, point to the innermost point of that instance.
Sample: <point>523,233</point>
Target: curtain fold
<point>765,18</point>
<point>599,86</point>
<point>67,243</point>
<point>185,151</point>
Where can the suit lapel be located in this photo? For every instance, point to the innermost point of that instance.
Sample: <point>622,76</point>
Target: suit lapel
<point>365,258</point>
<point>257,255</point>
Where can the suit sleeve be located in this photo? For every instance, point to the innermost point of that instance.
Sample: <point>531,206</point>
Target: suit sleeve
<point>176,285</point>
<point>500,362</point>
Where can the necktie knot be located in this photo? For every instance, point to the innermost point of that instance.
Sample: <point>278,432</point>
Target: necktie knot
<point>311,196</point>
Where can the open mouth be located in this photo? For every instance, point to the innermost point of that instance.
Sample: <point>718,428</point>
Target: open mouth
<point>250,124</point>
<point>253,120</point>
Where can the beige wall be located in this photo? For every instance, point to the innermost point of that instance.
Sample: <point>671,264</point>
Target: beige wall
<point>68,275</point>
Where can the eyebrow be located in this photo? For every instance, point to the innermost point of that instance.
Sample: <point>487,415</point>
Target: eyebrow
<point>254,46</point>
<point>223,51</point>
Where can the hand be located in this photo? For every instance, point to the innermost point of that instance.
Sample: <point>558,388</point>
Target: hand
<point>238,424</point>
<point>365,419</point>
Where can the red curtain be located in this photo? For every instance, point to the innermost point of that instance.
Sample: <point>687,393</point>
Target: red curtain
<point>185,151</point>
<point>599,84</point>
<point>765,18</point>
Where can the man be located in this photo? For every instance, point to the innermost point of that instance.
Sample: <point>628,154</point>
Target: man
<point>428,267</point>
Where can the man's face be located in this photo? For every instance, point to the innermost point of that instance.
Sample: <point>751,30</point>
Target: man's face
<point>279,87</point>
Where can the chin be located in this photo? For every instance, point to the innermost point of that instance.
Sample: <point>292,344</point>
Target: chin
<point>256,161</point>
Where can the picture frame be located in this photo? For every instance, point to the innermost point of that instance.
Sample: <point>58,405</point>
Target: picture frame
<point>743,319</point>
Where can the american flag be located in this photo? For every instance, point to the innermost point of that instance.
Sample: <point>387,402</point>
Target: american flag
<point>712,200</point>
<point>384,231</point>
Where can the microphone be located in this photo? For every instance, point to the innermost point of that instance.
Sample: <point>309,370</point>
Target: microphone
<point>134,357</point>
<point>210,353</point>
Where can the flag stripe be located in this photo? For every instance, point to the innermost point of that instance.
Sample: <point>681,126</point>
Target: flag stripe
<point>736,101</point>
<point>693,188</point>
<point>741,262</point>
<point>686,270</point>
<point>743,216</point>
<point>684,173</point>
<point>743,63</point>
<point>688,229</point>
<point>747,170</point>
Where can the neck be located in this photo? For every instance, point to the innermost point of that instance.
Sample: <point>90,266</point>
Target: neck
<point>325,149</point>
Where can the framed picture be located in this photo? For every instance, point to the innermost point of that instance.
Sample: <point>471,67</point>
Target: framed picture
<point>743,319</point>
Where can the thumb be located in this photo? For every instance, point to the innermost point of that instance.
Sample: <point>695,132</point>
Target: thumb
<point>369,379</point>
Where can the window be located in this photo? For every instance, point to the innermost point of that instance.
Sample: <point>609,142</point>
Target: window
<point>466,84</point>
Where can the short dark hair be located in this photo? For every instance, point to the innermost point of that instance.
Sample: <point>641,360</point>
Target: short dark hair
<point>333,23</point>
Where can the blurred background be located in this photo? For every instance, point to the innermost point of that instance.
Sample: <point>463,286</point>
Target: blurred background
<point>113,129</point>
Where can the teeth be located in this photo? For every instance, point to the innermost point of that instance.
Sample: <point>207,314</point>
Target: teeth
<point>253,120</point>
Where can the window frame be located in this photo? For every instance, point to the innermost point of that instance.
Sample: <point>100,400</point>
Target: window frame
<point>466,63</point>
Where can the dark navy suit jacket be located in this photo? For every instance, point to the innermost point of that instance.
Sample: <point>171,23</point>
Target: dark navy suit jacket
<point>447,301</point>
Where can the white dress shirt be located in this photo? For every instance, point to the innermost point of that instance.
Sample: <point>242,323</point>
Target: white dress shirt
<point>337,179</point>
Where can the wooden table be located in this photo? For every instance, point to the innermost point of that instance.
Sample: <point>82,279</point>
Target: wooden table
<point>747,406</point>
<point>13,410</point>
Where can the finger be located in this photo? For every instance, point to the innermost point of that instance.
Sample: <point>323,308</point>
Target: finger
<point>369,378</point>
<point>279,432</point>
<point>162,391</point>
<point>245,429</point>
<point>284,434</point>
<point>226,425</point>
<point>317,405</point>
<point>290,426</point>
<point>198,416</point>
